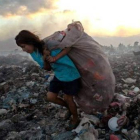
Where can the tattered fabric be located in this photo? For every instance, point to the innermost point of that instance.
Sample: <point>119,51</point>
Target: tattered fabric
<point>98,81</point>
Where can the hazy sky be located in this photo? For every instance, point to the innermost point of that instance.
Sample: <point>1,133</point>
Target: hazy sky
<point>100,18</point>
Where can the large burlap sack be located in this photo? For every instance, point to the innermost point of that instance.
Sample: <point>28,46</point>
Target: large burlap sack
<point>98,81</point>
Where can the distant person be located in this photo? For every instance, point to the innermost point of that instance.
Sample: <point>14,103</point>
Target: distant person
<point>67,77</point>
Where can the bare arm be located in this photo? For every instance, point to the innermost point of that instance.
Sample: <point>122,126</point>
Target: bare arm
<point>47,66</point>
<point>63,52</point>
<point>58,56</point>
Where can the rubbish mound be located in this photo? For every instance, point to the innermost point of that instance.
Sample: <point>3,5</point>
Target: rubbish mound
<point>26,115</point>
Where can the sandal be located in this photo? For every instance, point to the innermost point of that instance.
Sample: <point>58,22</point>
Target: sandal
<point>72,126</point>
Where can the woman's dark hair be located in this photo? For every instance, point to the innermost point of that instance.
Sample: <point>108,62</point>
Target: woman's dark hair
<point>27,37</point>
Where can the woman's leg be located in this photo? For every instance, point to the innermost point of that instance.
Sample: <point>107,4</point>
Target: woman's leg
<point>53,97</point>
<point>72,107</point>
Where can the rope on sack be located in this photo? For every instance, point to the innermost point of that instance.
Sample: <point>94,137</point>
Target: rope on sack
<point>79,27</point>
<point>77,24</point>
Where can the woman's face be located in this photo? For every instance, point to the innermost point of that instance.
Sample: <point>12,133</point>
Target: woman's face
<point>27,48</point>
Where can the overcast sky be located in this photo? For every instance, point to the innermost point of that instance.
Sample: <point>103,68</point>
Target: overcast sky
<point>100,18</point>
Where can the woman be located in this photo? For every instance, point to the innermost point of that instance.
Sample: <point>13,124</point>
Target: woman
<point>66,79</point>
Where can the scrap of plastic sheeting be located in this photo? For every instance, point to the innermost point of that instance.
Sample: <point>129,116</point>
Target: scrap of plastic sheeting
<point>121,98</point>
<point>83,122</point>
<point>30,84</point>
<point>129,80</point>
<point>86,136</point>
<point>98,97</point>
<point>50,77</point>
<point>86,130</point>
<point>92,118</point>
<point>113,137</point>
<point>136,89</point>
<point>47,76</point>
<point>137,97</point>
<point>13,98</point>
<point>3,111</point>
<point>131,93</point>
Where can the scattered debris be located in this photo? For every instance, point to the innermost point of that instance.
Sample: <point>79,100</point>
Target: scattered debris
<point>26,114</point>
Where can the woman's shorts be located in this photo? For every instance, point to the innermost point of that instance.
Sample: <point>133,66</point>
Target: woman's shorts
<point>70,88</point>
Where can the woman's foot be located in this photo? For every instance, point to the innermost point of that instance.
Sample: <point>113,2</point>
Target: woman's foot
<point>73,125</point>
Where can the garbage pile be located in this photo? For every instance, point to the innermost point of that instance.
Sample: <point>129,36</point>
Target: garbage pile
<point>25,113</point>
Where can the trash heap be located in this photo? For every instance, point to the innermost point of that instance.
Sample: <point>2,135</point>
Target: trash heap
<point>25,113</point>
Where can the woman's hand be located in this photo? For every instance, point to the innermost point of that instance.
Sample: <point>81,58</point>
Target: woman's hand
<point>47,66</point>
<point>48,57</point>
<point>46,53</point>
<point>51,59</point>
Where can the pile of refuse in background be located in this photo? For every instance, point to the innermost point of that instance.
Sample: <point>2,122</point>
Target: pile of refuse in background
<point>26,115</point>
